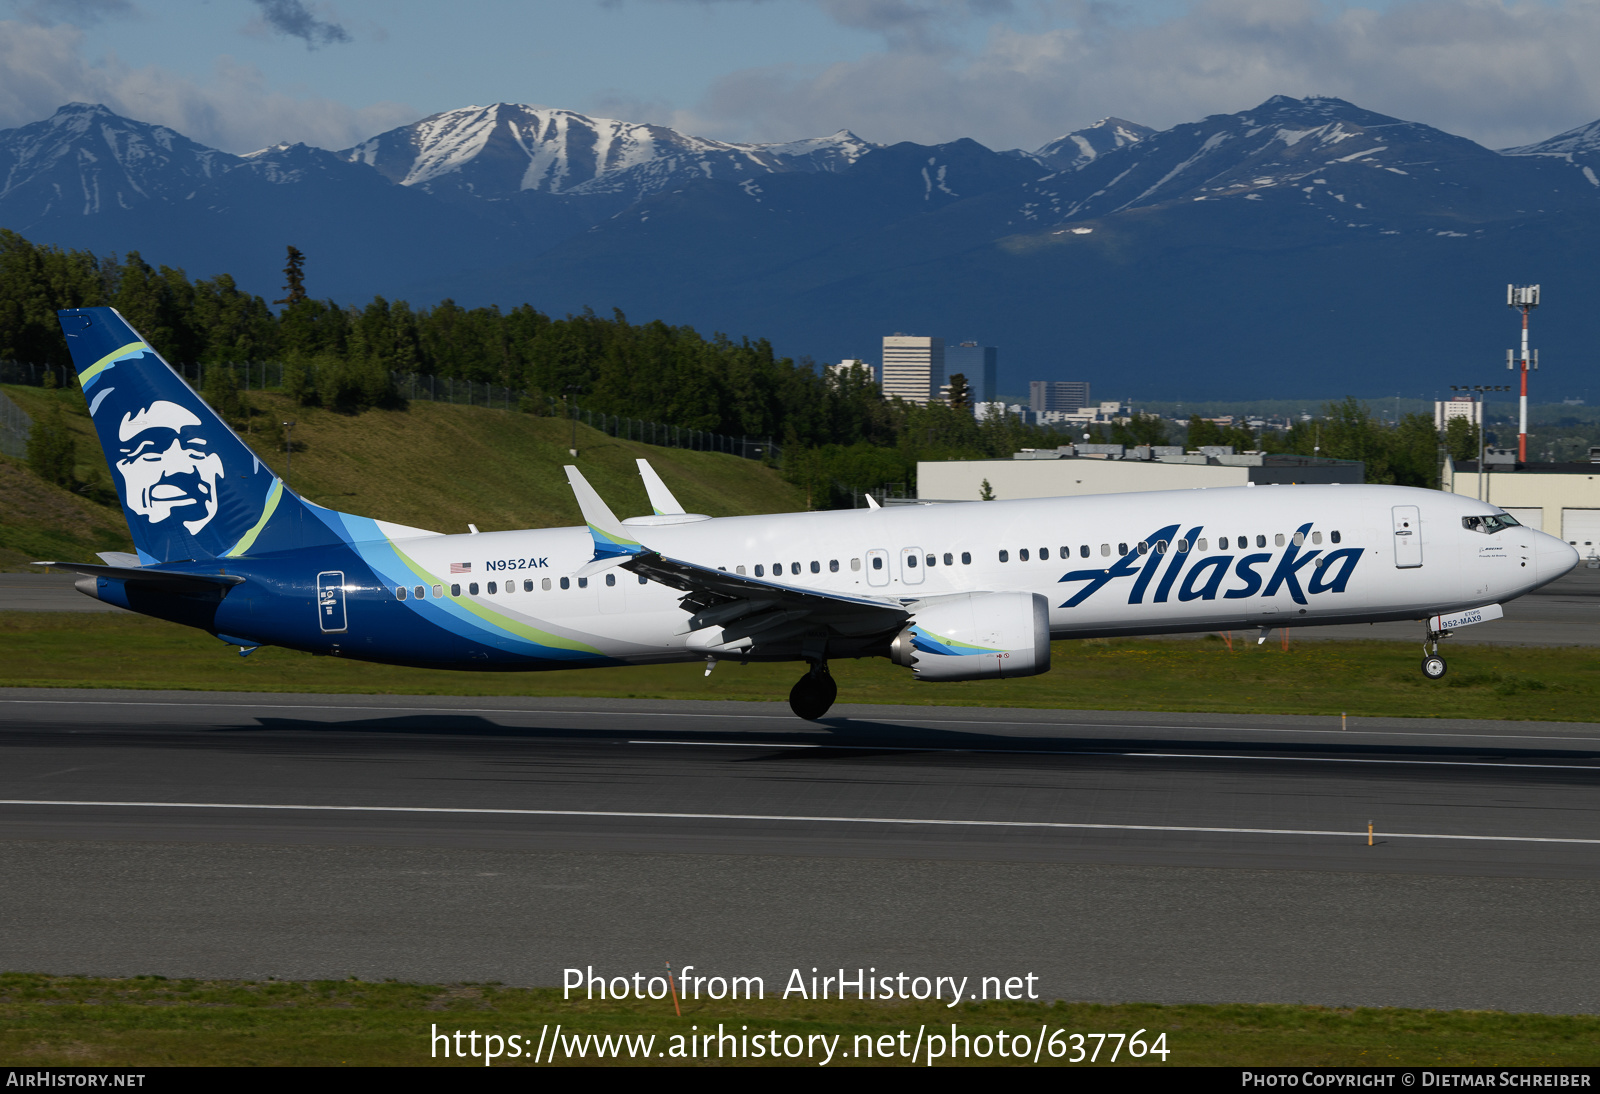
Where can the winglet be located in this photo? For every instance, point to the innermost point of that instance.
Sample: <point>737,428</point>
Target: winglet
<point>610,541</point>
<point>661,499</point>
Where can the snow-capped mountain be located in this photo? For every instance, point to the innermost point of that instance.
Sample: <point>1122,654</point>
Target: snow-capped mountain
<point>84,160</point>
<point>497,151</point>
<point>1353,166</point>
<point>1579,147</point>
<point>1083,146</point>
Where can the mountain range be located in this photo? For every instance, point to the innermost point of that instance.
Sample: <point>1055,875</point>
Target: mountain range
<point>1303,248</point>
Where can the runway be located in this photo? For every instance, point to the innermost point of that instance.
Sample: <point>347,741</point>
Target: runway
<point>1167,857</point>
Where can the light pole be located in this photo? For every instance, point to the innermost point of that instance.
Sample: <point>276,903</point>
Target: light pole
<point>288,447</point>
<point>1478,390</point>
<point>1524,298</point>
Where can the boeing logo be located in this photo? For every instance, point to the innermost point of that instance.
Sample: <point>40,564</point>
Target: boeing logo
<point>1167,554</point>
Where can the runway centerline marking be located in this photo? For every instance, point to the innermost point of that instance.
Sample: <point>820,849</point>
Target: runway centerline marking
<point>787,718</point>
<point>1129,755</point>
<point>924,821</point>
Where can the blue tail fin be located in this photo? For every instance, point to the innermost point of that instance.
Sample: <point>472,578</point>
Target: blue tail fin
<point>190,488</point>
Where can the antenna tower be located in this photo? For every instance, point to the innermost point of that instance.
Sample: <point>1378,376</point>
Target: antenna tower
<point>1524,298</point>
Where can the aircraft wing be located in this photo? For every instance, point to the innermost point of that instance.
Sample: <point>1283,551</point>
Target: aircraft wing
<point>731,612</point>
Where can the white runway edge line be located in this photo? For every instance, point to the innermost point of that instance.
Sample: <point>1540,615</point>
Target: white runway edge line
<point>800,819</point>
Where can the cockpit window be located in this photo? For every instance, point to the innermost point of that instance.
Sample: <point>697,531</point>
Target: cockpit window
<point>1489,525</point>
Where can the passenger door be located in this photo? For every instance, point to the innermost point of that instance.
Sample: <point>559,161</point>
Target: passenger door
<point>911,565</point>
<point>1407,537</point>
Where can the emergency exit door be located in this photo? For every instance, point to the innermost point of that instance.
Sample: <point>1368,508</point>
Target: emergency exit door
<point>1407,537</point>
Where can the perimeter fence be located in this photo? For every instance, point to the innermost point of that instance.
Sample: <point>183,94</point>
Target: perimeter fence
<point>411,386</point>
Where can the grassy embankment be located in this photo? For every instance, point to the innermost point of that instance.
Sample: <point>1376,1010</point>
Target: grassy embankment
<point>1323,677</point>
<point>433,466</point>
<point>148,1021</point>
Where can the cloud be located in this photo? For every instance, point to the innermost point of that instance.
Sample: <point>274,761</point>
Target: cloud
<point>293,19</point>
<point>1502,72</point>
<point>235,109</point>
<point>80,13</point>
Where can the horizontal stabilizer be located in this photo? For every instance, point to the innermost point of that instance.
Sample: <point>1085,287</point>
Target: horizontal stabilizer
<point>149,574</point>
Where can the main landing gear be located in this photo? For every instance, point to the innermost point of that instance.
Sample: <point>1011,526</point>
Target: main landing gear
<point>1433,666</point>
<point>813,693</point>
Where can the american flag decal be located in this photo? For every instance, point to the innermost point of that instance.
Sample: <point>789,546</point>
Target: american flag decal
<point>461,567</point>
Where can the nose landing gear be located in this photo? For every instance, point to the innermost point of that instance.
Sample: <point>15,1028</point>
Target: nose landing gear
<point>1433,666</point>
<point>813,693</point>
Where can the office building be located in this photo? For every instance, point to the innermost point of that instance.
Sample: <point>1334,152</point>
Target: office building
<point>913,367</point>
<point>1457,406</point>
<point>1058,395</point>
<point>851,363</point>
<point>979,364</point>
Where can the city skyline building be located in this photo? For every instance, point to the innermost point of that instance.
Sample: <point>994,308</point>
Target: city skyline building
<point>913,367</point>
<point>979,364</point>
<point>850,363</point>
<point>1457,406</point>
<point>1066,395</point>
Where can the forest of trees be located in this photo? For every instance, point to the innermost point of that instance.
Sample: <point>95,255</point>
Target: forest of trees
<point>839,434</point>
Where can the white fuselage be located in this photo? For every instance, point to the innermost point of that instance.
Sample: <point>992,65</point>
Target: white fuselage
<point>1211,559</point>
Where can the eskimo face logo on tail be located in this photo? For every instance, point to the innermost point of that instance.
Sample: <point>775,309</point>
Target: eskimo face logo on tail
<point>167,467</point>
<point>1299,562</point>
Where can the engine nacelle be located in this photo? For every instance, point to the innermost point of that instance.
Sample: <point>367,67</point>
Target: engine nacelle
<point>980,636</point>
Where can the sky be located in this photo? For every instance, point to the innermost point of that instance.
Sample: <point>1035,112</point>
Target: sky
<point>243,74</point>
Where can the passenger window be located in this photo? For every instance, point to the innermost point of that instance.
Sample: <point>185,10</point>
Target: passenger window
<point>877,563</point>
<point>566,583</point>
<point>1183,546</point>
<point>438,591</point>
<point>1084,551</point>
<point>492,588</point>
<point>1122,548</point>
<point>1144,547</point>
<point>761,571</point>
<point>833,565</point>
<point>473,588</point>
<point>399,592</point>
<point>855,565</point>
<point>1203,546</point>
<point>1161,546</point>
<point>1044,554</point>
<point>420,592</point>
<point>1105,550</point>
<point>949,559</point>
<point>777,569</point>
<point>1316,537</point>
<point>1277,540</point>
<point>1261,541</point>
<point>1022,555</point>
<point>794,567</point>
<point>455,590</point>
<point>911,561</point>
<point>1334,536</point>
<point>545,584</point>
<point>611,580</point>
<point>932,560</point>
<point>1005,556</point>
<point>966,558</point>
<point>1299,539</point>
<point>643,580</point>
<point>739,570</point>
<point>583,583</point>
<point>816,567</point>
<point>527,584</point>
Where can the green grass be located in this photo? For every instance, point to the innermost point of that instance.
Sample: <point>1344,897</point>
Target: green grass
<point>40,649</point>
<point>434,466</point>
<point>152,1022</point>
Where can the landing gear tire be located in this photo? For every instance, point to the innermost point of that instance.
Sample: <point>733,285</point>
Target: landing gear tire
<point>1433,667</point>
<point>813,694</point>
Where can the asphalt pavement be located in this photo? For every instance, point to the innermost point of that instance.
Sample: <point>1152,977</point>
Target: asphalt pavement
<point>1116,856</point>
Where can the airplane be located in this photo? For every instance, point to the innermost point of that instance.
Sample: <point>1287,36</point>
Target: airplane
<point>961,591</point>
